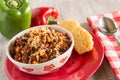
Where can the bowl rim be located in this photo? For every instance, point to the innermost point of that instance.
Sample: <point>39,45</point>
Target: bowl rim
<point>56,27</point>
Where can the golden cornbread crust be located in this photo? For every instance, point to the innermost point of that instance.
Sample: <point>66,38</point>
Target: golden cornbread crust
<point>83,39</point>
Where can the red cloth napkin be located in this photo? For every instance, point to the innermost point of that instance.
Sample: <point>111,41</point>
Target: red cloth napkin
<point>112,50</point>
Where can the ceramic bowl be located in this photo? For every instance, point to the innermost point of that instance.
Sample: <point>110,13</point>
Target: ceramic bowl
<point>45,67</point>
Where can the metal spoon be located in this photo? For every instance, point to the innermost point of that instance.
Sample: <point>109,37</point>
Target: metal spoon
<point>108,27</point>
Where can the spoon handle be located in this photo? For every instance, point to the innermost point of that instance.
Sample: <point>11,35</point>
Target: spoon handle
<point>118,41</point>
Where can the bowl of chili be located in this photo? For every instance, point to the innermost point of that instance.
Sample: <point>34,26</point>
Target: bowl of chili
<point>40,49</point>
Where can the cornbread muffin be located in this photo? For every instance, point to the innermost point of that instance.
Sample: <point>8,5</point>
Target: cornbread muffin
<point>83,39</point>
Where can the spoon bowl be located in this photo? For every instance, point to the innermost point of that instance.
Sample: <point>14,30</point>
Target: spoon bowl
<point>108,27</point>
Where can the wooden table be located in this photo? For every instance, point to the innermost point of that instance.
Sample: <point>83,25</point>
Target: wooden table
<point>76,10</point>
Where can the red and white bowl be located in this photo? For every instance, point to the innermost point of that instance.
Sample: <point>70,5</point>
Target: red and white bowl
<point>46,67</point>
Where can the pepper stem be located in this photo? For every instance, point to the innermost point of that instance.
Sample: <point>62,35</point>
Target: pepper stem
<point>13,3</point>
<point>51,20</point>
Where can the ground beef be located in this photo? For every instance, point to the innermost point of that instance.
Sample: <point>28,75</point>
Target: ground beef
<point>40,45</point>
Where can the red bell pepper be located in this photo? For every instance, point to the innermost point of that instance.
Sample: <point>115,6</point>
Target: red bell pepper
<point>44,15</point>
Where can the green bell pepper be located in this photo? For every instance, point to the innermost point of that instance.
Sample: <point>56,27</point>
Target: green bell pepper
<point>15,16</point>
